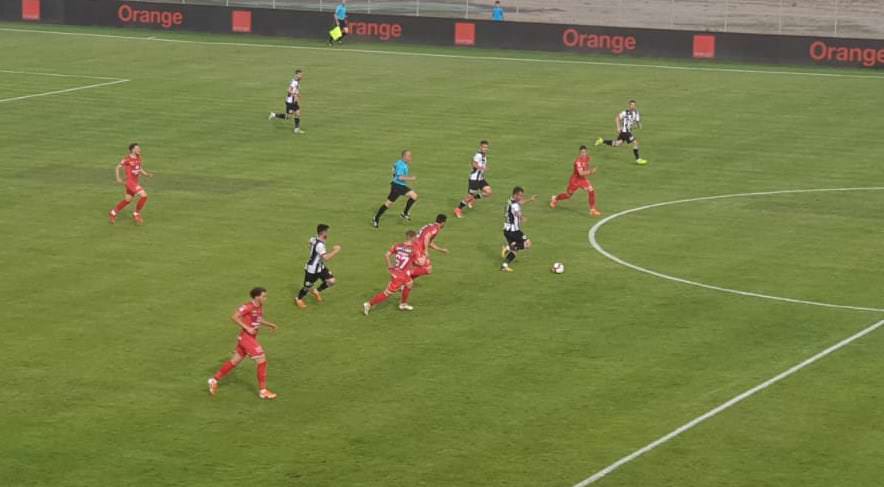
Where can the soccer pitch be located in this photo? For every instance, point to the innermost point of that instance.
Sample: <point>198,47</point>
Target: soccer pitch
<point>520,379</point>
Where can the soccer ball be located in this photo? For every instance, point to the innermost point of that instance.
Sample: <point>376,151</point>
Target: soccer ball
<point>558,268</point>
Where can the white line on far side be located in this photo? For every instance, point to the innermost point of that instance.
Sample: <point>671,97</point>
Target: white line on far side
<point>718,409</point>
<point>593,232</point>
<point>454,56</point>
<point>58,92</point>
<point>58,75</point>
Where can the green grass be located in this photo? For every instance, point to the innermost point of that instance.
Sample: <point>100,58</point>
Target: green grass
<point>496,379</point>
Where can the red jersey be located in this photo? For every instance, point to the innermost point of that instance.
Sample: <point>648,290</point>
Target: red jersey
<point>580,164</point>
<point>132,164</point>
<point>403,256</point>
<point>251,314</point>
<point>428,233</point>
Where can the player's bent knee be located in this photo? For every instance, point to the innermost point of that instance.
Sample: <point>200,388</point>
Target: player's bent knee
<point>260,359</point>
<point>331,282</point>
<point>412,195</point>
<point>527,244</point>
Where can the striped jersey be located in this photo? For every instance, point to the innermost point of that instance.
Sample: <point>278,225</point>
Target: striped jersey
<point>629,119</point>
<point>513,217</point>
<point>481,161</point>
<point>315,263</point>
<point>294,90</point>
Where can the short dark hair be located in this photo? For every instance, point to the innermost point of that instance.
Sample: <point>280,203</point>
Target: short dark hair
<point>299,71</point>
<point>441,218</point>
<point>583,147</point>
<point>484,142</point>
<point>322,227</point>
<point>632,101</point>
<point>257,291</point>
<point>410,234</point>
<point>132,146</point>
<point>518,189</point>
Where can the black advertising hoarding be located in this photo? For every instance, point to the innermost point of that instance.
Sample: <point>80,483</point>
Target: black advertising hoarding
<point>615,41</point>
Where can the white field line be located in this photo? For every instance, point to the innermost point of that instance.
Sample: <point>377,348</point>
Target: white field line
<point>593,232</point>
<point>718,409</point>
<point>69,90</point>
<point>453,56</point>
<point>58,75</point>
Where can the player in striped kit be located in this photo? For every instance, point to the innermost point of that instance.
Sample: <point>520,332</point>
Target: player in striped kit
<point>478,186</point>
<point>512,228</point>
<point>626,121</point>
<point>315,268</point>
<point>292,102</point>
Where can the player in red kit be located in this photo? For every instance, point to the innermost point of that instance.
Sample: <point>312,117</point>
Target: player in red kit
<point>132,164</point>
<point>579,179</point>
<point>425,241</point>
<point>249,317</point>
<point>400,261</point>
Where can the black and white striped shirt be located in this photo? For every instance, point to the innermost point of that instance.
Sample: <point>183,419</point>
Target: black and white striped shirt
<point>513,217</point>
<point>294,91</point>
<point>481,161</point>
<point>315,264</point>
<point>629,119</point>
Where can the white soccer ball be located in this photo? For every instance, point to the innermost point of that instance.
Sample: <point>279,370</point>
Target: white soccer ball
<point>558,268</point>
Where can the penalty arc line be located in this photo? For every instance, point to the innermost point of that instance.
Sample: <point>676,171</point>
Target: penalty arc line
<point>724,406</point>
<point>68,90</point>
<point>453,56</point>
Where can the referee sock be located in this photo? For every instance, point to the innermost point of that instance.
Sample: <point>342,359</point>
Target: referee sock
<point>608,142</point>
<point>297,122</point>
<point>279,115</point>
<point>635,151</point>
<point>380,213</point>
<point>408,206</point>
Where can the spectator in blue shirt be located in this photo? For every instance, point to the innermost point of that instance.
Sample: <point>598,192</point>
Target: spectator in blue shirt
<point>497,12</point>
<point>340,21</point>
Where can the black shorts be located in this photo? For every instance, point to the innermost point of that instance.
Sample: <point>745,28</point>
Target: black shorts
<point>515,240</point>
<point>626,137</point>
<point>397,190</point>
<point>343,25</point>
<point>477,186</point>
<point>292,107</point>
<point>310,278</point>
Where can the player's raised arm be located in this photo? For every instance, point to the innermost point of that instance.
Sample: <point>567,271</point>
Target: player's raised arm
<point>236,319</point>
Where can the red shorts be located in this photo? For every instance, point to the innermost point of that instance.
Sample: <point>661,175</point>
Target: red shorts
<point>422,261</point>
<point>399,280</point>
<point>576,183</point>
<point>248,346</point>
<point>133,188</point>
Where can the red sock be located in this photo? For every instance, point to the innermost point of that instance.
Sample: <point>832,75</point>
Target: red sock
<point>592,199</point>
<point>224,370</point>
<point>378,299</point>
<point>406,291</point>
<point>420,271</point>
<point>122,204</point>
<point>140,205</point>
<point>563,196</point>
<point>262,375</point>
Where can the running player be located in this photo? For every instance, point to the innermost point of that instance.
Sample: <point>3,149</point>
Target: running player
<point>579,179</point>
<point>478,187</point>
<point>626,121</point>
<point>425,241</point>
<point>132,164</point>
<point>398,187</point>
<point>292,102</point>
<point>315,268</point>
<point>512,228</point>
<point>249,317</point>
<point>400,259</point>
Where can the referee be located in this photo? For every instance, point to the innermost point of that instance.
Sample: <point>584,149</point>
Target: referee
<point>340,21</point>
